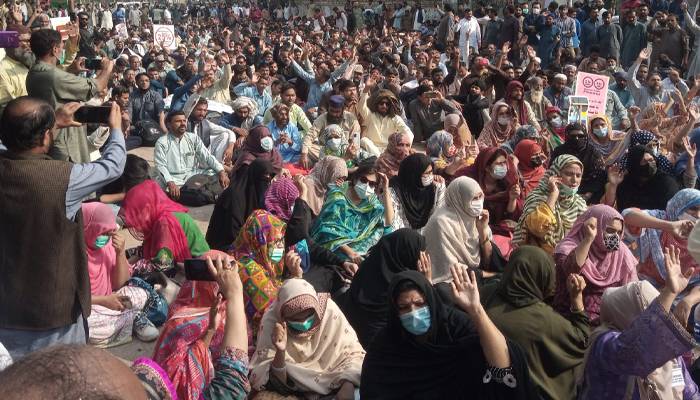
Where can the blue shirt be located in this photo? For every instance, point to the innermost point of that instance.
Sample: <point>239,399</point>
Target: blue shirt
<point>289,153</point>
<point>317,90</point>
<point>182,93</point>
<point>263,100</point>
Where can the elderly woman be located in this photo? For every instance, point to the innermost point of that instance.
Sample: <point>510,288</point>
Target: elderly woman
<point>441,149</point>
<point>551,209</point>
<point>398,149</point>
<point>500,129</point>
<point>306,347</point>
<point>285,135</point>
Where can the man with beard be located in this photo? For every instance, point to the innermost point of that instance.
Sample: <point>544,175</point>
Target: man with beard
<point>558,93</point>
<point>634,36</point>
<point>219,141</point>
<point>515,97</point>
<point>427,111</point>
<point>653,92</point>
<point>177,78</point>
<point>297,117</point>
<point>381,114</point>
<point>85,46</point>
<point>621,90</point>
<point>146,104</point>
<point>336,115</point>
<point>693,26</point>
<point>669,39</point>
<point>609,37</point>
<point>549,38</point>
<point>535,98</point>
<point>15,67</point>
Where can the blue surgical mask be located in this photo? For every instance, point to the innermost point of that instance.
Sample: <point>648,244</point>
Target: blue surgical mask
<point>334,144</point>
<point>304,325</point>
<point>601,132</point>
<point>276,254</point>
<point>499,171</point>
<point>101,241</point>
<point>417,322</point>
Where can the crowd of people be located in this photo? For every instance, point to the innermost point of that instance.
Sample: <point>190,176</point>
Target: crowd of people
<point>408,200</point>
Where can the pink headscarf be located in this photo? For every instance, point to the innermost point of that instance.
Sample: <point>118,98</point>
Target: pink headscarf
<point>98,219</point>
<point>280,198</point>
<point>602,267</point>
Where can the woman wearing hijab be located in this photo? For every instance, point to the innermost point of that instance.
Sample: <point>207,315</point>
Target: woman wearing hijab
<point>651,230</point>
<point>592,186</point>
<point>366,303</point>
<point>353,219</point>
<point>551,209</point>
<point>429,350</point>
<point>399,148</point>
<point>458,232</point>
<point>651,142</point>
<point>306,347</point>
<point>637,350</point>
<point>554,344</point>
<point>644,186</point>
<point>415,192</point>
<point>523,132</point>
<point>116,304</point>
<point>594,249</point>
<point>501,127</point>
<point>611,144</point>
<point>329,171</point>
<point>531,158</point>
<point>280,198</point>
<point>245,194</point>
<point>554,128</point>
<point>258,144</point>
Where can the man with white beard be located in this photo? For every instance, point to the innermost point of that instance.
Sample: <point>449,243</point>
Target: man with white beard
<point>535,98</point>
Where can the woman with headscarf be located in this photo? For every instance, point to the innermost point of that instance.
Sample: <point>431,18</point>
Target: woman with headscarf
<point>329,171</point>
<point>117,304</point>
<point>554,128</point>
<point>441,149</point>
<point>334,142</point>
<point>353,219</point>
<point>523,132</point>
<point>551,209</point>
<point>431,350</point>
<point>637,351</point>
<point>399,148</point>
<point>554,344</point>
<point>280,198</point>
<point>306,347</point>
<point>611,144</point>
<point>366,302</point>
<point>415,192</point>
<point>458,232</point>
<point>168,232</point>
<point>644,186</point>
<point>594,248</point>
<point>501,127</point>
<point>651,230</point>
<point>578,144</point>
<point>258,144</point>
<point>651,142</point>
<point>515,97</point>
<point>245,194</point>
<point>531,160</point>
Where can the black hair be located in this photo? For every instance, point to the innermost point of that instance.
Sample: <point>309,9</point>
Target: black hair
<point>366,167</point>
<point>594,48</point>
<point>136,170</point>
<point>119,90</point>
<point>172,115</point>
<point>344,84</point>
<point>405,286</point>
<point>43,42</point>
<point>140,74</point>
<point>576,126</point>
<point>423,89</point>
<point>202,100</point>
<point>286,86</point>
<point>24,123</point>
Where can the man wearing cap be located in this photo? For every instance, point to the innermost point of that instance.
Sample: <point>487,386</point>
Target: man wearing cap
<point>336,115</point>
<point>558,93</point>
<point>297,117</point>
<point>15,67</point>
<point>621,90</point>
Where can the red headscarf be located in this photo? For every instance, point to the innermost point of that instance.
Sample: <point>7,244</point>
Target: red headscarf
<point>520,108</point>
<point>531,176</point>
<point>252,149</point>
<point>558,131</point>
<point>148,213</point>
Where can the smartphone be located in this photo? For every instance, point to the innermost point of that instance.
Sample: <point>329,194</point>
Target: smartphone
<point>93,63</point>
<point>197,269</point>
<point>93,114</point>
<point>9,39</point>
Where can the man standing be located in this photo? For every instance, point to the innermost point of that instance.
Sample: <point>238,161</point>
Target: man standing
<point>589,28</point>
<point>48,82</point>
<point>41,220</point>
<point>609,37</point>
<point>510,30</point>
<point>469,35</point>
<point>567,30</point>
<point>634,39</point>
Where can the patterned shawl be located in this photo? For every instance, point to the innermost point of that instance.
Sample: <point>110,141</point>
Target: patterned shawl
<point>388,162</point>
<point>493,135</point>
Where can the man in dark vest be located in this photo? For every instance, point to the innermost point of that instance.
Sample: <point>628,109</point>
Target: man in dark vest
<point>45,287</point>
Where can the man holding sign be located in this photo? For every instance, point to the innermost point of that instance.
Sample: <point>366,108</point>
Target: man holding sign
<point>164,36</point>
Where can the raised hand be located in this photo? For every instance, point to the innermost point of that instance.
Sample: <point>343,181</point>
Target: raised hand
<point>465,290</point>
<point>692,150</point>
<point>514,192</point>
<point>425,266</point>
<point>575,284</point>
<point>279,337</point>
<point>553,184</point>
<point>644,54</point>
<point>293,263</point>
<point>225,271</point>
<point>616,175</point>
<point>677,278</point>
<point>118,242</point>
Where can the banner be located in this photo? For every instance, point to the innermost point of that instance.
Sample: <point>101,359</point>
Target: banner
<point>122,32</point>
<point>595,88</point>
<point>164,36</point>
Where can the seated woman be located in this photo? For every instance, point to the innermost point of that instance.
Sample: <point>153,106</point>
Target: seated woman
<point>651,142</point>
<point>501,127</point>
<point>651,230</point>
<point>429,350</point>
<point>592,185</point>
<point>280,198</point>
<point>639,345</point>
<point>366,302</point>
<point>611,144</point>
<point>116,306</point>
<point>136,170</point>
<point>285,135</point>
<point>353,219</point>
<point>258,144</point>
<point>328,172</point>
<point>553,129</point>
<point>415,192</point>
<point>498,178</point>
<point>554,344</point>
<point>644,186</point>
<point>594,249</point>
<point>524,132</point>
<point>168,232</point>
<point>306,347</point>
<point>207,328</point>
<point>531,160</point>
<point>335,143</point>
<point>551,209</point>
<point>398,148</point>
<point>441,149</point>
<point>458,232</point>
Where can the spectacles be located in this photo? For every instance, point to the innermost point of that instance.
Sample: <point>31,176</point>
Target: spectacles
<point>371,184</point>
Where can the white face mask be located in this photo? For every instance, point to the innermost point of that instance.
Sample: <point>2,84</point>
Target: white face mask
<point>363,190</point>
<point>504,120</point>
<point>687,217</point>
<point>475,208</point>
<point>267,143</point>
<point>426,180</point>
<point>334,144</point>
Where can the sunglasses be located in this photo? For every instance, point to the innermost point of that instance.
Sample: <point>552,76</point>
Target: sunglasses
<point>371,184</point>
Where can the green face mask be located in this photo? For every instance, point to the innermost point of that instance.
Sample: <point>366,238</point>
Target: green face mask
<point>101,241</point>
<point>276,254</point>
<point>304,325</point>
